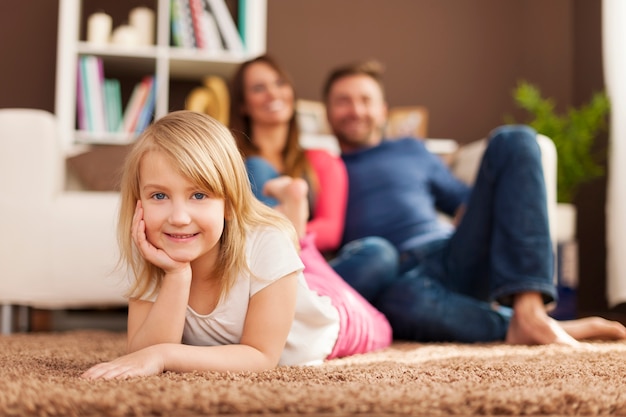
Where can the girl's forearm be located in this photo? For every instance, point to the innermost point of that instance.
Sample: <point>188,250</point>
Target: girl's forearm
<point>165,320</point>
<point>224,358</point>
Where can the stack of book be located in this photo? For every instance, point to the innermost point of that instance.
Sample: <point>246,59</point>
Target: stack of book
<point>99,101</point>
<point>204,24</point>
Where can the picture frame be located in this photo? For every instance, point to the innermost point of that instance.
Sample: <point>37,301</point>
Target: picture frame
<point>312,117</point>
<point>407,121</point>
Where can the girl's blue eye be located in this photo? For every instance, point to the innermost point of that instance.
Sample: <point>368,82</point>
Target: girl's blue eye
<point>158,196</point>
<point>199,196</point>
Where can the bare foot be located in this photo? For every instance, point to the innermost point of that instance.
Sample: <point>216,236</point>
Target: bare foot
<point>291,193</point>
<point>594,328</point>
<point>531,325</point>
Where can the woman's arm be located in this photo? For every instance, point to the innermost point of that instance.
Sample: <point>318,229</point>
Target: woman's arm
<point>268,321</point>
<point>330,206</point>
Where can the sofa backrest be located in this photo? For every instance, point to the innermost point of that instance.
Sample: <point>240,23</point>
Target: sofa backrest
<point>31,158</point>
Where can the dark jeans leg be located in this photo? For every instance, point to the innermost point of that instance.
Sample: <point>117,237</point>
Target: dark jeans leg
<point>502,247</point>
<point>421,308</point>
<point>369,265</point>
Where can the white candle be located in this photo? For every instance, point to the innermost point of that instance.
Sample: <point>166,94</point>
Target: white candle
<point>142,19</point>
<point>125,35</point>
<point>99,28</point>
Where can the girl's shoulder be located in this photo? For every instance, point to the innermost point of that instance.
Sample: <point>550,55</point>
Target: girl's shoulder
<point>266,233</point>
<point>271,254</point>
<point>269,241</point>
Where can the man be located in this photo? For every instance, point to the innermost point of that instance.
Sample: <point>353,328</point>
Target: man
<point>487,279</point>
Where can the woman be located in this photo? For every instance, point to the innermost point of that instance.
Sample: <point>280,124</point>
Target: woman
<point>264,121</point>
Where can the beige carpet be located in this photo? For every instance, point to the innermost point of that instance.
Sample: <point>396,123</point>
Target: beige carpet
<point>39,376</point>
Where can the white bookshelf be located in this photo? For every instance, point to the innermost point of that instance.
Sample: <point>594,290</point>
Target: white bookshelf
<point>165,62</point>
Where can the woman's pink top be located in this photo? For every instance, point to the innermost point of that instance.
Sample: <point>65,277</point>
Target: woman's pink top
<point>362,328</point>
<point>328,217</point>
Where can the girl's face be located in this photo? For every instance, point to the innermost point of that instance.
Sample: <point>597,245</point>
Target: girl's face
<point>180,219</point>
<point>268,98</point>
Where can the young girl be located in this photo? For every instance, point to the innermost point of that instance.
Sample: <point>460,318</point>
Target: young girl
<point>218,281</point>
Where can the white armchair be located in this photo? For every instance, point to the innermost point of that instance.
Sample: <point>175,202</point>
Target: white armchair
<point>59,248</point>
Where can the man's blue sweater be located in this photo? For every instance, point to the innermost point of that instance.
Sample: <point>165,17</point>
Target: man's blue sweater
<point>395,190</point>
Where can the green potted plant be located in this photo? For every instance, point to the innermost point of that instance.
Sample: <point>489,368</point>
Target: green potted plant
<point>573,134</point>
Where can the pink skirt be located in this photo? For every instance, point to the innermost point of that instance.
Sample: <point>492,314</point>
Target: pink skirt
<point>362,328</point>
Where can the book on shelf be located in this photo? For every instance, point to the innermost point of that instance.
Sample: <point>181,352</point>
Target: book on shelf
<point>113,100</point>
<point>206,33</point>
<point>90,106</point>
<point>81,98</point>
<point>226,25</point>
<point>212,33</point>
<point>248,27</point>
<point>181,24</point>
<point>196,10</point>
<point>136,102</point>
<point>96,82</point>
<point>204,24</point>
<point>98,99</point>
<point>147,110</point>
<point>242,21</point>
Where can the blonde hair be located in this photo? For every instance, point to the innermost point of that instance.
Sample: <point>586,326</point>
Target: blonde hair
<point>205,153</point>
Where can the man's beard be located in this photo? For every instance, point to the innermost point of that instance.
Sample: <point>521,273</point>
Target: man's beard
<point>360,138</point>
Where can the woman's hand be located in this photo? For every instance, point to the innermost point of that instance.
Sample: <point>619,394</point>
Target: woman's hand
<point>151,253</point>
<point>144,362</point>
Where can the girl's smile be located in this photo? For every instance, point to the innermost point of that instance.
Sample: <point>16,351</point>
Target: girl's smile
<point>181,237</point>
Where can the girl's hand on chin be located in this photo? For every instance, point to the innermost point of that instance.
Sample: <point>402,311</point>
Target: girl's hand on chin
<point>151,253</point>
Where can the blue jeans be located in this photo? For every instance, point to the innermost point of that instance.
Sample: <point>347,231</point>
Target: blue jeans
<point>369,265</point>
<point>259,172</point>
<point>501,247</point>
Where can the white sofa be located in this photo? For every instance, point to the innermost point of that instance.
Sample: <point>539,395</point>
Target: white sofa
<point>58,248</point>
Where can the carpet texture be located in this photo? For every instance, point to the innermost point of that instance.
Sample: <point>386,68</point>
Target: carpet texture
<point>39,376</point>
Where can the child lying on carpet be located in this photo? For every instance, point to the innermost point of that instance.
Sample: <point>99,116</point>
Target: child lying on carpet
<point>219,285</point>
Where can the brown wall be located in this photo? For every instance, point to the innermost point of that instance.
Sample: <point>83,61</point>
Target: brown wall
<point>459,58</point>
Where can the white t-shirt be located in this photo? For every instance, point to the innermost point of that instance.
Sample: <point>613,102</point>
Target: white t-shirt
<point>270,256</point>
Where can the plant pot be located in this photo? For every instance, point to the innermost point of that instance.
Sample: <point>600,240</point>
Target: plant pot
<point>565,222</point>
